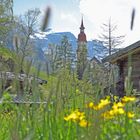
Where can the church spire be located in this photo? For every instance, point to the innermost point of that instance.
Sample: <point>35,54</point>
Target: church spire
<point>82,25</point>
<point>82,35</point>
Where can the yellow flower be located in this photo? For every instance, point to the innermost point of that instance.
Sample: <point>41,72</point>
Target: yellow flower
<point>83,123</point>
<point>82,116</point>
<point>108,97</point>
<point>115,98</point>
<point>102,104</point>
<point>120,111</point>
<point>108,115</point>
<point>128,99</point>
<point>75,116</point>
<point>90,105</point>
<point>72,116</point>
<point>118,105</point>
<point>117,108</point>
<point>130,114</point>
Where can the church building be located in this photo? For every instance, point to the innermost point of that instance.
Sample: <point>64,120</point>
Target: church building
<point>81,52</point>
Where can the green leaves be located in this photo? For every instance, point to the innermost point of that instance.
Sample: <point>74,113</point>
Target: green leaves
<point>5,53</point>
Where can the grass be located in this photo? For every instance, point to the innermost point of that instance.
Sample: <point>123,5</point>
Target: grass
<point>64,94</point>
<point>73,109</point>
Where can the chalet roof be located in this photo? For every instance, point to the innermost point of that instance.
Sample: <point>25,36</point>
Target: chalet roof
<point>123,53</point>
<point>95,59</point>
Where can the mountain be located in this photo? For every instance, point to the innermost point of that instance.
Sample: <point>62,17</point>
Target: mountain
<point>43,39</point>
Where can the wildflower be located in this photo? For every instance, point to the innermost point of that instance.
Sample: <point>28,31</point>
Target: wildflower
<point>82,116</point>
<point>108,97</point>
<point>90,105</point>
<point>115,98</point>
<point>75,116</point>
<point>72,116</point>
<point>102,104</point>
<point>83,123</point>
<point>117,109</point>
<point>118,105</point>
<point>108,114</point>
<point>130,114</point>
<point>120,111</point>
<point>128,99</point>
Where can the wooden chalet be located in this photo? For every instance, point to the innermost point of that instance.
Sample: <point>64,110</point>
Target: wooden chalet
<point>125,58</point>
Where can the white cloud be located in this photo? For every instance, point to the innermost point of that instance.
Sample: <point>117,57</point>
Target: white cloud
<point>68,17</point>
<point>99,11</point>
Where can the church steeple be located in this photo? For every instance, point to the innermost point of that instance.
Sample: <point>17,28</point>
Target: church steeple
<point>81,52</point>
<point>82,35</point>
<point>82,26</point>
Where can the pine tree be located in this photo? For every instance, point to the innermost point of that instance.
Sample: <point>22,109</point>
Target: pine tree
<point>60,56</point>
<point>65,55</point>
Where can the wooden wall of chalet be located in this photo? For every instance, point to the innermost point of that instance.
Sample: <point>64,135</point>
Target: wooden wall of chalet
<point>135,75</point>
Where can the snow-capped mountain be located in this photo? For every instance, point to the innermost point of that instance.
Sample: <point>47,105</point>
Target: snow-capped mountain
<point>95,47</point>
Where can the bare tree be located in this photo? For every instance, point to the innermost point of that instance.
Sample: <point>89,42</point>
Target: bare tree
<point>108,36</point>
<point>26,25</point>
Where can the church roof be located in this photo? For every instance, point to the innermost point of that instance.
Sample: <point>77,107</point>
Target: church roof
<point>82,37</point>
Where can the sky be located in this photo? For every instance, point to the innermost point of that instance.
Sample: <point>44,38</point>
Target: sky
<point>66,16</point>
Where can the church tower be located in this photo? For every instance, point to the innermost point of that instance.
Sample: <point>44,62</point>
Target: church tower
<point>81,52</point>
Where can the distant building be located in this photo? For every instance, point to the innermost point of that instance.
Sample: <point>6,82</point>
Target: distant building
<point>127,60</point>
<point>81,52</point>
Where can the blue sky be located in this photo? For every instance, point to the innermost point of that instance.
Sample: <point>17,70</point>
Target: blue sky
<point>66,15</point>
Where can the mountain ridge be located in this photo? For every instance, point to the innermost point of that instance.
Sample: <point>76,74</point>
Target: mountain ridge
<point>95,47</point>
